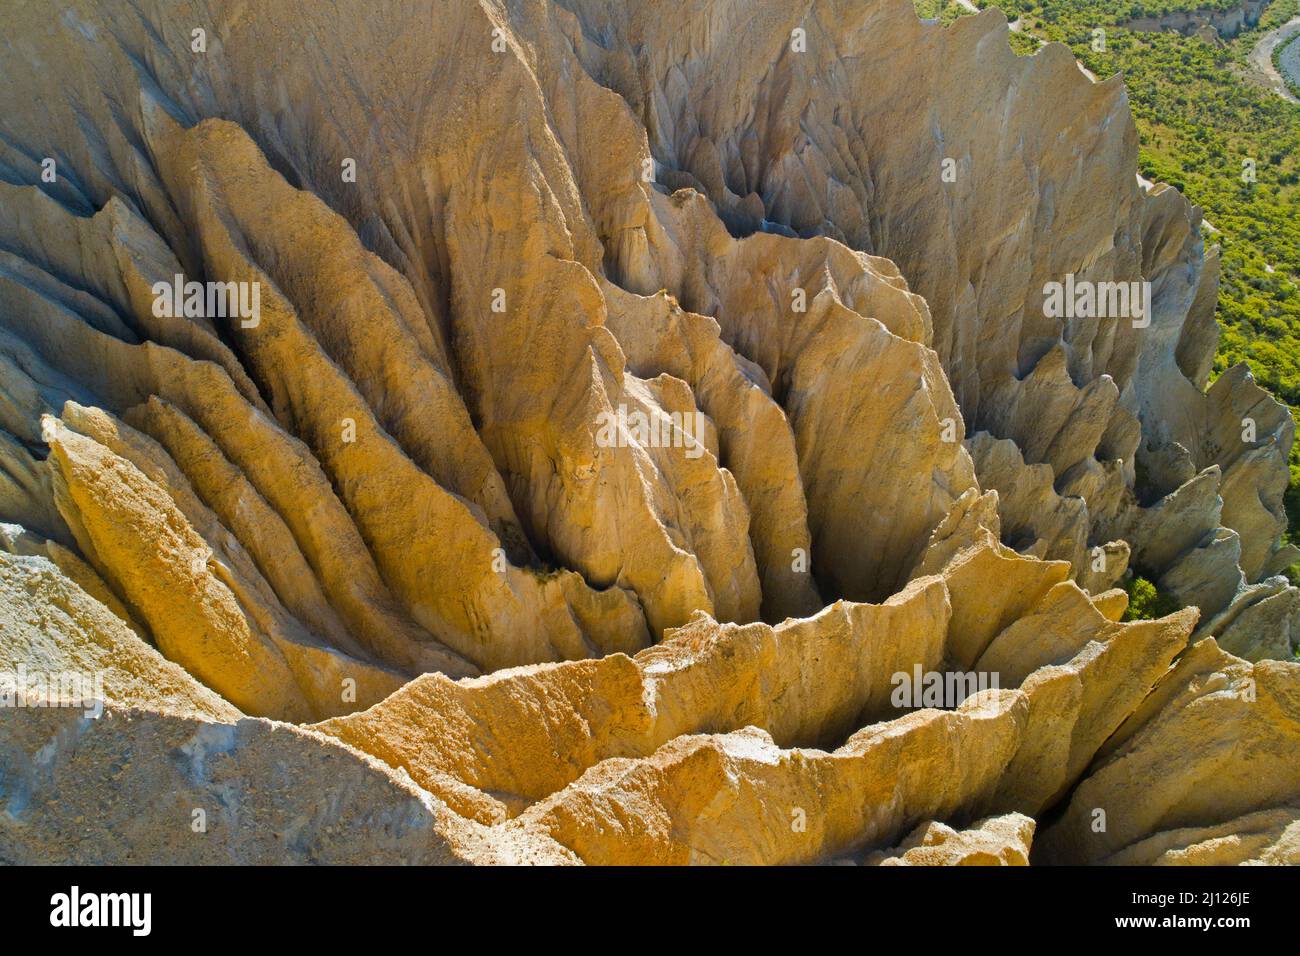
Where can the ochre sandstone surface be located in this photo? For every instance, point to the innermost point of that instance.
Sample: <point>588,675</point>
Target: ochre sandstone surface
<point>363,577</point>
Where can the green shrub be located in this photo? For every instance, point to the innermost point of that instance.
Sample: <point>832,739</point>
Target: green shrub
<point>1145,603</point>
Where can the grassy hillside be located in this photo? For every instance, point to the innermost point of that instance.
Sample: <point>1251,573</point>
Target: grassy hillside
<point>1200,117</point>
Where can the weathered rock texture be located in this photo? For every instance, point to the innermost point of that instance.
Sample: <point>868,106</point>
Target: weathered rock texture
<point>641,400</point>
<point>996,841</point>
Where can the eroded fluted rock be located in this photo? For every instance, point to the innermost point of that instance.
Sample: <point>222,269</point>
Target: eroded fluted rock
<point>50,627</point>
<point>484,746</point>
<point>1217,739</point>
<point>1270,837</point>
<point>738,798</point>
<point>192,791</point>
<point>995,841</point>
<point>391,505</point>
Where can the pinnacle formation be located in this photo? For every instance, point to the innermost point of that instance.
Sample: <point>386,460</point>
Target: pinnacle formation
<point>561,431</point>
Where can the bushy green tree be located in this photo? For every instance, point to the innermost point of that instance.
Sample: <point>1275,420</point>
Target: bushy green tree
<point>1145,602</point>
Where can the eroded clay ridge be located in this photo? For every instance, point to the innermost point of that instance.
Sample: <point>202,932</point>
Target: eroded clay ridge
<point>589,418</point>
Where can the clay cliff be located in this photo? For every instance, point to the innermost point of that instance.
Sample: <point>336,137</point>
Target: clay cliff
<point>588,418</point>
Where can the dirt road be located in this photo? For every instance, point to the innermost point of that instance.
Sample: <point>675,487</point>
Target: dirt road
<point>1261,58</point>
